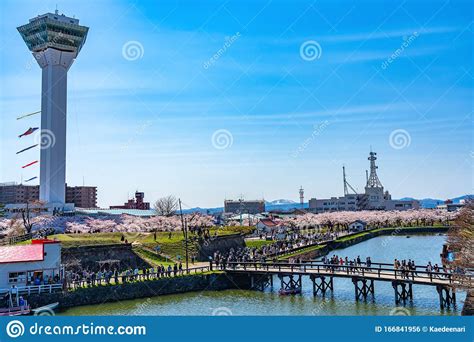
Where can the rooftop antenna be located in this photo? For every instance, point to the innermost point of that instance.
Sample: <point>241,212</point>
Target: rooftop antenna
<point>366,176</point>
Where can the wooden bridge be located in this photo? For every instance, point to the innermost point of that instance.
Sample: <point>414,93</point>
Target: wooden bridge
<point>362,276</point>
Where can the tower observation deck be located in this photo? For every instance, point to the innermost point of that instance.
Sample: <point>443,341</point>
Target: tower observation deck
<point>55,41</point>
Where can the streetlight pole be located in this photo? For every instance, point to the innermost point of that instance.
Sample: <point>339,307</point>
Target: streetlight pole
<point>186,243</point>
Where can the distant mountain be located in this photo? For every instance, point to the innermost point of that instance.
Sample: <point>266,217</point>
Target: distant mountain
<point>288,205</point>
<point>430,203</point>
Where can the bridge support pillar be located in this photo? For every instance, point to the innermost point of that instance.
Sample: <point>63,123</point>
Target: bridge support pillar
<point>261,282</point>
<point>292,285</point>
<point>363,287</point>
<point>447,296</point>
<point>402,291</point>
<point>323,285</point>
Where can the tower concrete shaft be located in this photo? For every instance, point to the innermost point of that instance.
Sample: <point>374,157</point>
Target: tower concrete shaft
<point>55,41</point>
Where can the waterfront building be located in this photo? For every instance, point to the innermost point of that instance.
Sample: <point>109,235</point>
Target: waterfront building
<point>244,207</point>
<point>266,225</point>
<point>55,41</point>
<point>451,206</point>
<point>80,196</point>
<point>357,226</point>
<point>33,264</point>
<point>136,203</point>
<point>373,198</point>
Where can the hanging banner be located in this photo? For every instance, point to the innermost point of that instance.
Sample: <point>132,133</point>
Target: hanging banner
<point>29,131</point>
<point>26,149</point>
<point>29,164</point>
<point>26,115</point>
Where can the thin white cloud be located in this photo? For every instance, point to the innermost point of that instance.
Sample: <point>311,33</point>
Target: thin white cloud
<point>353,37</point>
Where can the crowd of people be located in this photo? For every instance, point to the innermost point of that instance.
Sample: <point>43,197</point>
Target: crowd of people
<point>87,278</point>
<point>270,251</point>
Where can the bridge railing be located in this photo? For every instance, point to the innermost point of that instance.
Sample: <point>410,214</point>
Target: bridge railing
<point>122,278</point>
<point>34,289</point>
<point>381,272</point>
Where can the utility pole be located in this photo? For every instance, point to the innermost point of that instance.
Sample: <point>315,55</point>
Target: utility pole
<point>185,234</point>
<point>186,244</point>
<point>241,200</point>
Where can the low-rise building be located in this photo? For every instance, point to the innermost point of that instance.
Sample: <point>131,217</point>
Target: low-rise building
<point>80,196</point>
<point>242,206</point>
<point>266,226</point>
<point>357,226</point>
<point>373,198</point>
<point>36,264</point>
<point>134,203</point>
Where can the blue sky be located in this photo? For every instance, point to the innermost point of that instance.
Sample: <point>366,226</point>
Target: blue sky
<point>394,76</point>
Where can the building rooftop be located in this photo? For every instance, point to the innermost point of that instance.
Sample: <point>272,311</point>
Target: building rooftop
<point>134,212</point>
<point>22,253</point>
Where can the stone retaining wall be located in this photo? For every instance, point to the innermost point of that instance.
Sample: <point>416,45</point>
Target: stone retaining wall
<point>88,257</point>
<point>141,289</point>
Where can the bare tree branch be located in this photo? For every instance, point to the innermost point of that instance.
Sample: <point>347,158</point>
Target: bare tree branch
<point>166,206</point>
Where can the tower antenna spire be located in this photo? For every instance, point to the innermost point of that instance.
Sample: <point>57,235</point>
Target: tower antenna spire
<point>301,196</point>
<point>373,180</point>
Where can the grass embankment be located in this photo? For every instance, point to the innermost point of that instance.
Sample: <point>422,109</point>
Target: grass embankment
<point>257,243</point>
<point>171,245</point>
<point>398,230</point>
<point>301,251</point>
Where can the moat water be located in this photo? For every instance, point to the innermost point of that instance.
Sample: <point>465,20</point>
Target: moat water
<point>421,248</point>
